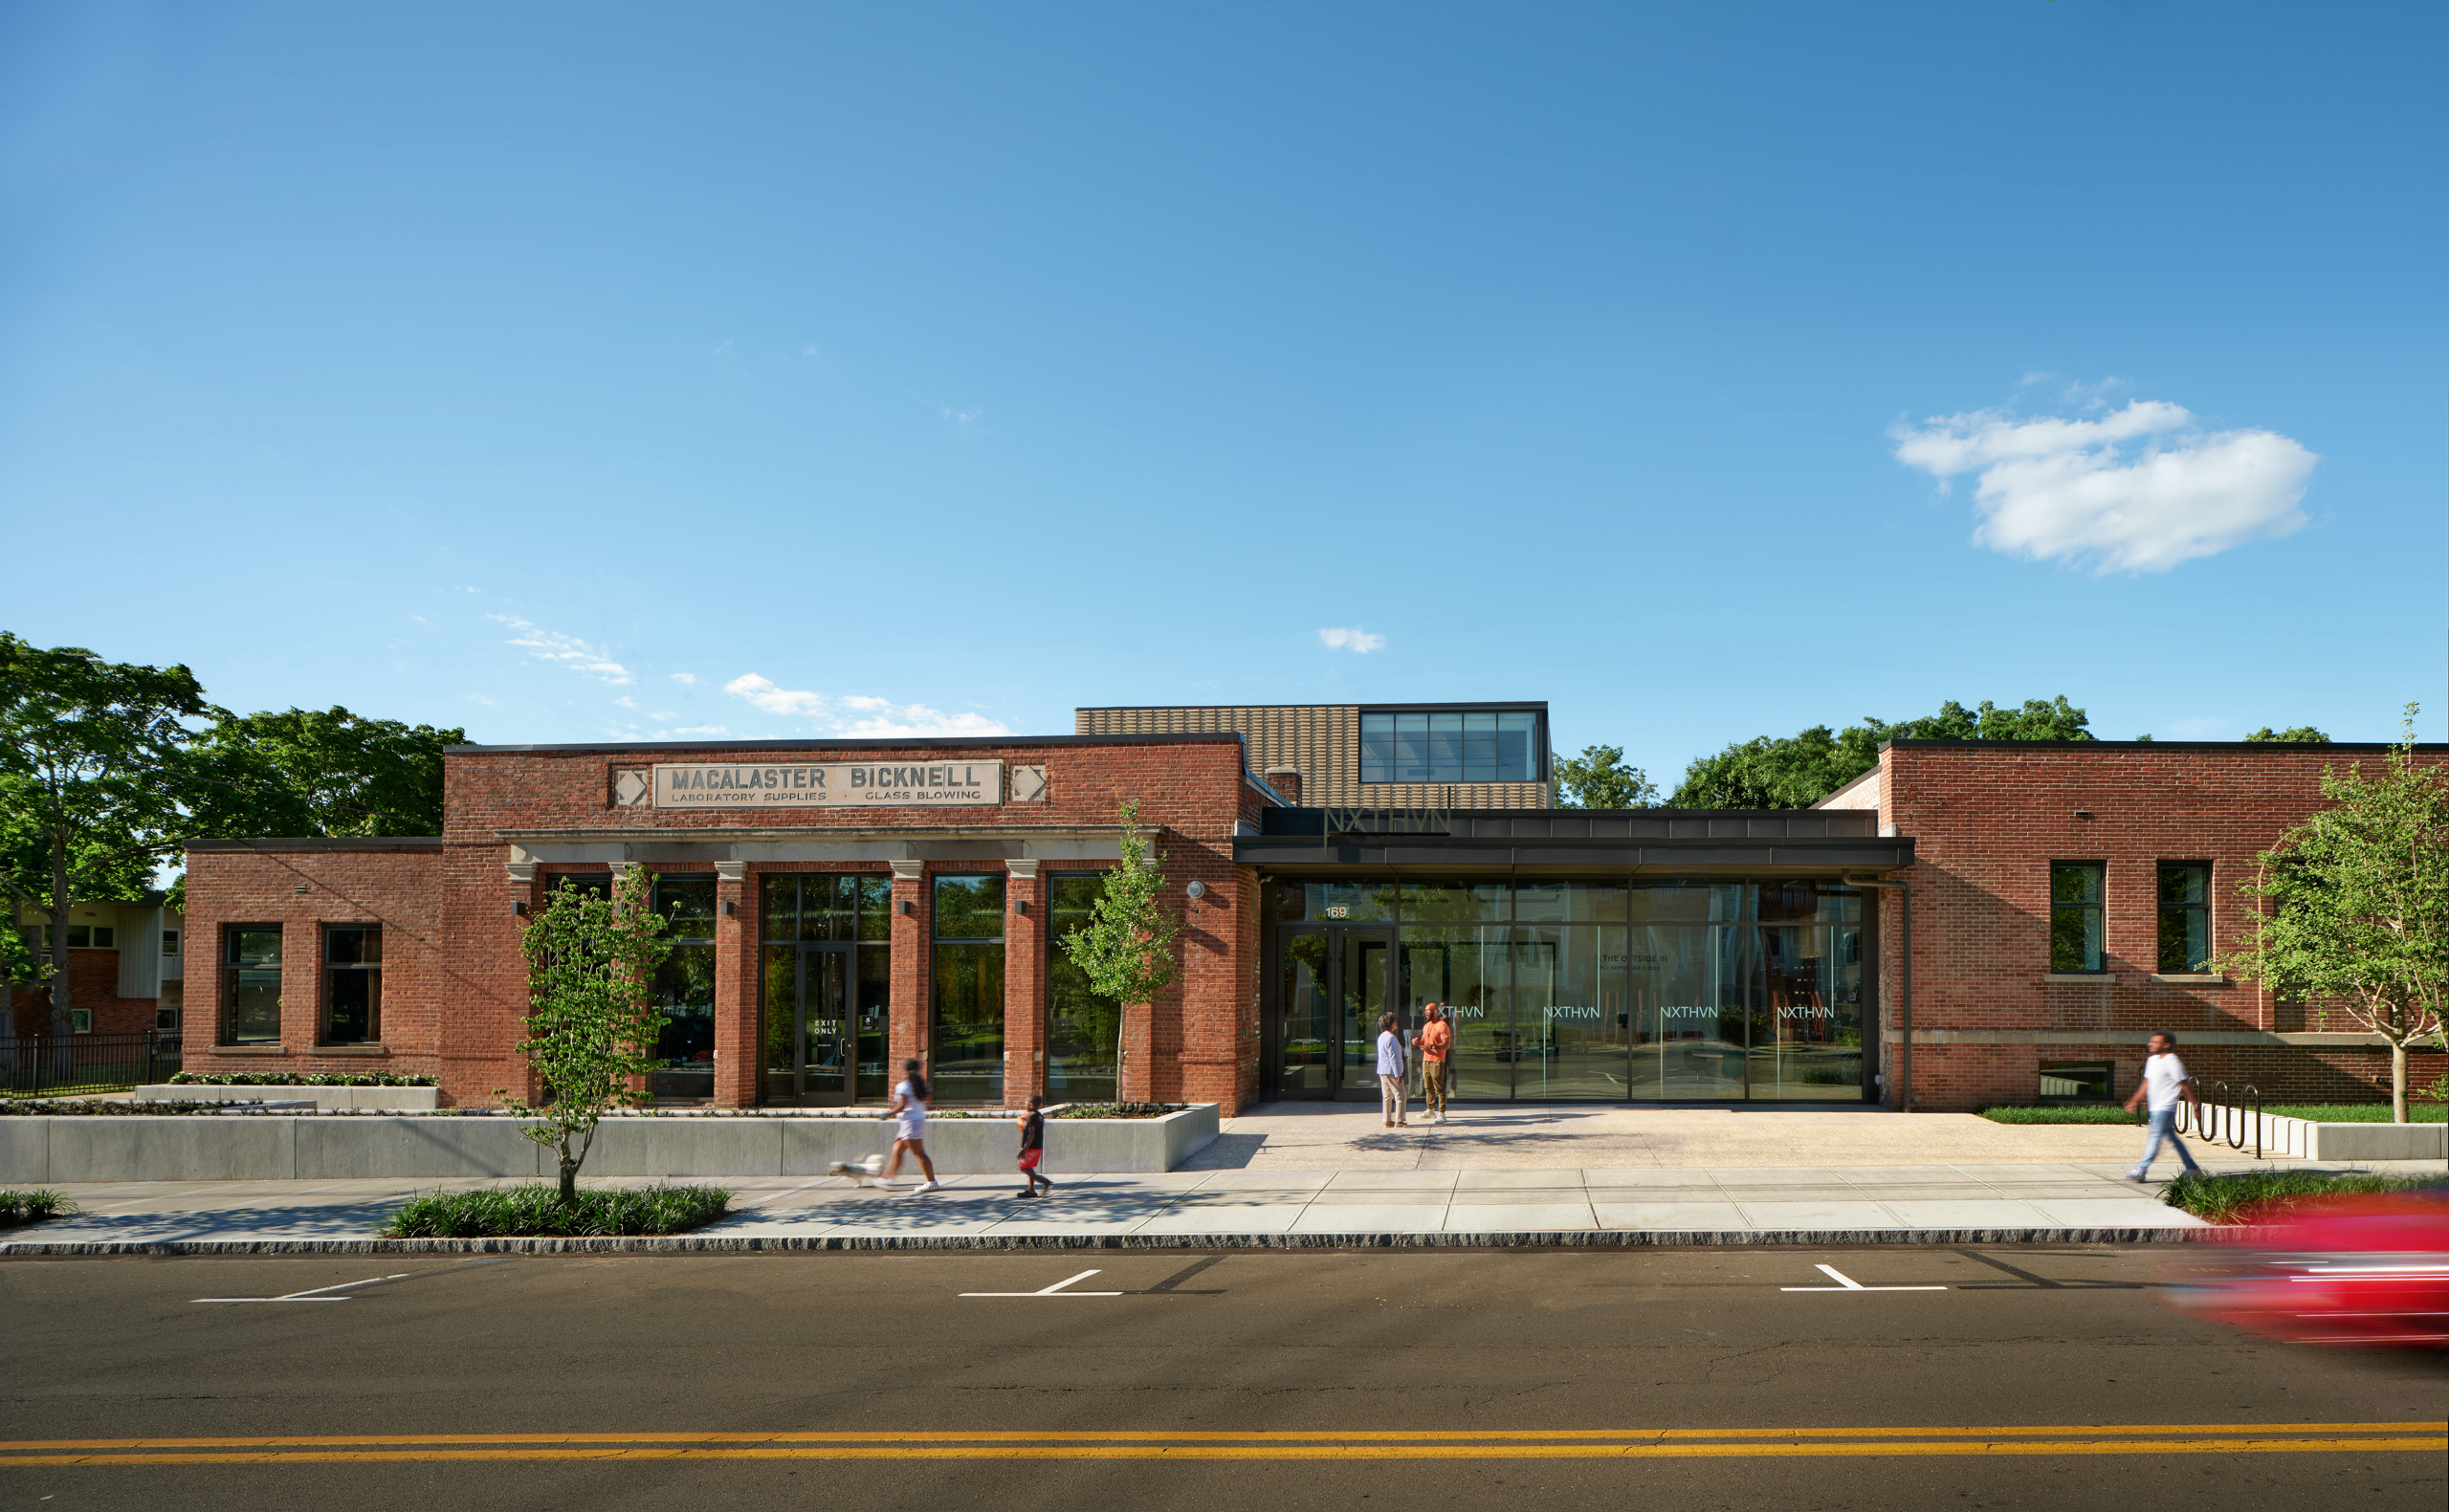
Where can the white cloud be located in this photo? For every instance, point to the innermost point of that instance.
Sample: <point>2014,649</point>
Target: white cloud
<point>665,713</point>
<point>566,650</point>
<point>2141,489</point>
<point>858,717</point>
<point>684,677</point>
<point>625,701</point>
<point>1354,639</point>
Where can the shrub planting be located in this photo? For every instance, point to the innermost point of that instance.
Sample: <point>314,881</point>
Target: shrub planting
<point>32,1206</point>
<point>1120,1109</point>
<point>537,1209</point>
<point>299,1079</point>
<point>2242,1197</point>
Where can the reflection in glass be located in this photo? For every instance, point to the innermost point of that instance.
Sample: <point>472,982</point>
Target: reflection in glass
<point>684,989</point>
<point>1455,902</point>
<point>1686,999</point>
<point>1080,1025</point>
<point>1465,970</point>
<point>1807,1045</point>
<point>1569,1013</point>
<point>1303,996</point>
<point>777,1048</point>
<point>968,1038</point>
<point>254,986</point>
<point>969,908</point>
<point>688,903</point>
<point>875,1002</point>
<point>1569,903</point>
<point>1368,991</point>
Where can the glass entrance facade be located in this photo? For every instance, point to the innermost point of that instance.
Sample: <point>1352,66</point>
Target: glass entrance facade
<point>1596,990</point>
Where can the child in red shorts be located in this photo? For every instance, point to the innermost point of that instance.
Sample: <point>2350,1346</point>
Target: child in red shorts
<point>1032,1148</point>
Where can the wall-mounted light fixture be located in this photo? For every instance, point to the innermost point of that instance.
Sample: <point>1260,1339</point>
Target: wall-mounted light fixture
<point>520,908</point>
<point>1021,906</point>
<point>908,907</point>
<point>1196,890</point>
<point>730,907</point>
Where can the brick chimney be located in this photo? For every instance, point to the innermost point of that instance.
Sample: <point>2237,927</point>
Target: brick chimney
<point>1287,780</point>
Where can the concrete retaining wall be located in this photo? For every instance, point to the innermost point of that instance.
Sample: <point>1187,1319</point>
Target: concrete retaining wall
<point>326,1099</point>
<point>272,1147</point>
<point>2301,1139</point>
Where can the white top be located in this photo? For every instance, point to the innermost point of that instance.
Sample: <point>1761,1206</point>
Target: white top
<point>914,1112</point>
<point>1390,1052</point>
<point>2162,1081</point>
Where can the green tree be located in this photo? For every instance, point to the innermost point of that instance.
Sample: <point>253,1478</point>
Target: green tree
<point>97,781</point>
<point>325,771</point>
<point>2301,735</point>
<point>1599,778</point>
<point>1126,949</point>
<point>1797,771</point>
<point>2360,896</point>
<point>592,1022</point>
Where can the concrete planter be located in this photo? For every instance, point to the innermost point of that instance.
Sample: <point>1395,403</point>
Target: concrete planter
<point>326,1099</point>
<point>2302,1139</point>
<point>277,1147</point>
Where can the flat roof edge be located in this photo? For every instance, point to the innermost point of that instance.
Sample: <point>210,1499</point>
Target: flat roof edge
<point>322,843</point>
<point>2431,747</point>
<point>915,742</point>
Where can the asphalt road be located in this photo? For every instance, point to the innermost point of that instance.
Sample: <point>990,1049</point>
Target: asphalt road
<point>1266,1380</point>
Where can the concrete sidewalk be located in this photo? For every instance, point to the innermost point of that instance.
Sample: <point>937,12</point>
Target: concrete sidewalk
<point>1791,1205</point>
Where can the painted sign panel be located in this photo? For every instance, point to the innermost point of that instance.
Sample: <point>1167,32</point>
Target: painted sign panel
<point>854,785</point>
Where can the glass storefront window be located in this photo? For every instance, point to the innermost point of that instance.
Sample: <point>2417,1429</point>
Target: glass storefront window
<point>1674,901</point>
<point>967,1038</point>
<point>1569,903</point>
<point>1456,902</point>
<point>1465,970</point>
<point>1807,1045</point>
<point>1307,1013</point>
<point>1335,902</point>
<point>1080,1025</point>
<point>252,995</point>
<point>1570,1015</point>
<point>684,988</point>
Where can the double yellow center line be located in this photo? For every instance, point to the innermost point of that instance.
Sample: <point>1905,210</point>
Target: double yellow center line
<point>1525,1443</point>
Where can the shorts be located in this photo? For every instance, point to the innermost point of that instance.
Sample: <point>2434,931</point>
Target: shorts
<point>1029,1158</point>
<point>912,1132</point>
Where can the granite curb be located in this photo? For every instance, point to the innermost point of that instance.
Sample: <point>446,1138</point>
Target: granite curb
<point>750,1244</point>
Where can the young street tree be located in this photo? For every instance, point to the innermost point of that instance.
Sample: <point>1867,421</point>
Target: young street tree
<point>96,781</point>
<point>2361,916</point>
<point>1126,949</point>
<point>592,1023</point>
<point>1599,778</point>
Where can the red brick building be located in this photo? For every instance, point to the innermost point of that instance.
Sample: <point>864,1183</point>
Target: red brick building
<point>2133,855</point>
<point>840,906</point>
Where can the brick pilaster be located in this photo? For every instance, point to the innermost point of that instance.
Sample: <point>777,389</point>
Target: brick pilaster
<point>913,966</point>
<point>1023,982</point>
<point>736,976</point>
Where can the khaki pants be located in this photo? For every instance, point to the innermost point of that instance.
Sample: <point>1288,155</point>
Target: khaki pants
<point>1390,1097</point>
<point>1432,1086</point>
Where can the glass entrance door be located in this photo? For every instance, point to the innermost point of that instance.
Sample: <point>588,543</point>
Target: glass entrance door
<point>808,1031</point>
<point>1331,984</point>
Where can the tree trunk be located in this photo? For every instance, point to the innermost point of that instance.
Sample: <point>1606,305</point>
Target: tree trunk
<point>2397,1081</point>
<point>569,1180</point>
<point>62,989</point>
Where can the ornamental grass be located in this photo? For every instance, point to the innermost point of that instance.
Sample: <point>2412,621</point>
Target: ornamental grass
<point>534,1209</point>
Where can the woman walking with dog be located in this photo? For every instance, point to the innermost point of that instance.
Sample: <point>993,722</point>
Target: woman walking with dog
<point>909,1110</point>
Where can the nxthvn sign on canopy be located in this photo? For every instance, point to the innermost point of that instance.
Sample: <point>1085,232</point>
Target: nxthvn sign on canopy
<point>856,784</point>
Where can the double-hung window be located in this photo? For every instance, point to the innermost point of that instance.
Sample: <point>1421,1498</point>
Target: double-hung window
<point>352,984</point>
<point>251,991</point>
<point>2185,918</point>
<point>2077,900</point>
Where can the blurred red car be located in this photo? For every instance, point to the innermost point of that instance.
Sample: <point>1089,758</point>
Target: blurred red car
<point>2372,1270</point>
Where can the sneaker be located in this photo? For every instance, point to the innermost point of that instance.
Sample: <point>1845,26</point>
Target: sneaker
<point>2137,1177</point>
<point>1027,1192</point>
<point>924,1186</point>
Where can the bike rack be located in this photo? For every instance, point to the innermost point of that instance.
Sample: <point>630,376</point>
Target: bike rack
<point>2232,1114</point>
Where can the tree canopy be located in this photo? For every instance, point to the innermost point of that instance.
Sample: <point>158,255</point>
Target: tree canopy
<point>1797,771</point>
<point>2360,896</point>
<point>1599,778</point>
<point>325,771</point>
<point>2300,735</point>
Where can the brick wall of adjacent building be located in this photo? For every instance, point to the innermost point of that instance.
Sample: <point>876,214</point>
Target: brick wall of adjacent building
<point>1988,819</point>
<point>301,885</point>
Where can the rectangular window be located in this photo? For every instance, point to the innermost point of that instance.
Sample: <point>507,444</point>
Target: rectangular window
<point>684,987</point>
<point>170,942</point>
<point>352,984</point>
<point>1081,1026</point>
<point>2080,1078</point>
<point>92,937</point>
<point>1442,746</point>
<point>165,1011</point>
<point>2185,918</point>
<point>80,1020</point>
<point>967,1035</point>
<point>251,993</point>
<point>2076,892</point>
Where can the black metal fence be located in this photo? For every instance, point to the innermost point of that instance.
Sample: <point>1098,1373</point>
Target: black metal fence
<point>67,1064</point>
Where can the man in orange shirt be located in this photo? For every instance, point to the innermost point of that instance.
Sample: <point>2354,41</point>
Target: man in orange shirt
<point>1433,1041</point>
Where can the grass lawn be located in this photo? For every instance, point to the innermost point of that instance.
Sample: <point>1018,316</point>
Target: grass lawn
<point>2084,1114</point>
<point>2357,1112</point>
<point>535,1211</point>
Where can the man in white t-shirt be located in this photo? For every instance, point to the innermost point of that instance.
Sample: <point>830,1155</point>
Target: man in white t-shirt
<point>2164,1083</point>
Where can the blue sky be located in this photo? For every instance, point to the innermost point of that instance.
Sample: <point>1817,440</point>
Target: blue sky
<point>591,371</point>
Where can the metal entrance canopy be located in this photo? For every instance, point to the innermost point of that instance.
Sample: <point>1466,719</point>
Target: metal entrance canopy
<point>1695,843</point>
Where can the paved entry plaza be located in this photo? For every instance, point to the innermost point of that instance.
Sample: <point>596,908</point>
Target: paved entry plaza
<point>1509,1174</point>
